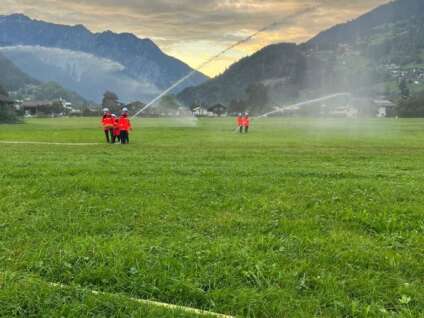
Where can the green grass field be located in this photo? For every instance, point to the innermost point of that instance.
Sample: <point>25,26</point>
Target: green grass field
<point>300,218</point>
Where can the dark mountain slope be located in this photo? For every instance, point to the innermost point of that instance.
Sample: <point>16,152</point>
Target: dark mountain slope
<point>282,61</point>
<point>11,77</point>
<point>363,56</point>
<point>23,86</point>
<point>140,61</point>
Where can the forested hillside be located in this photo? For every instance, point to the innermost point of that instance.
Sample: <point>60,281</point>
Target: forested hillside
<point>22,86</point>
<point>367,57</point>
<point>11,77</point>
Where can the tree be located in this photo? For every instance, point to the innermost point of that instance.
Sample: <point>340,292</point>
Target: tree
<point>3,92</point>
<point>412,106</point>
<point>7,111</point>
<point>169,102</point>
<point>111,101</point>
<point>56,108</point>
<point>134,107</point>
<point>257,97</point>
<point>86,111</point>
<point>404,89</point>
<point>237,106</point>
<point>218,109</point>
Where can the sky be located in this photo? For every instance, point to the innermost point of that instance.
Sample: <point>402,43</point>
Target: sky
<point>195,30</point>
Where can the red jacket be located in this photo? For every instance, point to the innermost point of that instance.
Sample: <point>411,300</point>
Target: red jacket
<point>246,122</point>
<point>107,121</point>
<point>116,130</point>
<point>239,121</point>
<point>124,123</point>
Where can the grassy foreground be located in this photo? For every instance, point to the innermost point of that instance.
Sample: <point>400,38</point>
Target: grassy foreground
<point>300,218</point>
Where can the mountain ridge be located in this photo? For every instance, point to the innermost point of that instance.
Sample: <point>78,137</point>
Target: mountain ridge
<point>357,56</point>
<point>382,14</point>
<point>11,77</point>
<point>144,61</point>
<point>23,86</point>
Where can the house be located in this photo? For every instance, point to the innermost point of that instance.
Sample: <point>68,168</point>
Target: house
<point>67,106</point>
<point>34,108</point>
<point>200,111</point>
<point>385,108</point>
<point>217,109</point>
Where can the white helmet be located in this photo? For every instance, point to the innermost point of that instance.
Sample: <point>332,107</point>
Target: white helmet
<point>125,110</point>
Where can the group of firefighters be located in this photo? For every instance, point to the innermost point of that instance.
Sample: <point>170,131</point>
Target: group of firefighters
<point>243,122</point>
<point>116,129</point>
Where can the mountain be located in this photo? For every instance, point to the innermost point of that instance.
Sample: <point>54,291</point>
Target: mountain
<point>283,62</point>
<point>392,33</point>
<point>23,86</point>
<point>49,91</point>
<point>387,20</point>
<point>91,63</point>
<point>84,73</point>
<point>366,56</point>
<point>11,77</point>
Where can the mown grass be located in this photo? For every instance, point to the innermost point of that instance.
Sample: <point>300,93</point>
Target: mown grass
<point>23,296</point>
<point>300,218</point>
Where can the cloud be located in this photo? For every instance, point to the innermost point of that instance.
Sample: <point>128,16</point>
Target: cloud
<point>84,73</point>
<point>63,59</point>
<point>174,24</point>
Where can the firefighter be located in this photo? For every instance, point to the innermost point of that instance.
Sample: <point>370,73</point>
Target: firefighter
<point>246,122</point>
<point>116,131</point>
<point>240,122</point>
<point>107,123</point>
<point>124,126</point>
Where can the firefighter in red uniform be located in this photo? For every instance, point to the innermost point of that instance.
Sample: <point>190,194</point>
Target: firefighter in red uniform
<point>240,122</point>
<point>107,123</point>
<point>246,122</point>
<point>116,131</point>
<point>124,126</point>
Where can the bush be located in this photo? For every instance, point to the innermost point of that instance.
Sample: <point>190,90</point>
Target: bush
<point>7,111</point>
<point>412,106</point>
<point>8,114</point>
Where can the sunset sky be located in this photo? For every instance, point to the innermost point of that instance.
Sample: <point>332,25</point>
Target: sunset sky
<point>194,30</point>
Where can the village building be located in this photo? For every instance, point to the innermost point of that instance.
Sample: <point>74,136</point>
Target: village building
<point>217,110</point>
<point>200,111</point>
<point>385,108</point>
<point>40,108</point>
<point>34,108</point>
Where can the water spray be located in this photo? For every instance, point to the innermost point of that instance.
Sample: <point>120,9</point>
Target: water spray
<point>213,58</point>
<point>296,106</point>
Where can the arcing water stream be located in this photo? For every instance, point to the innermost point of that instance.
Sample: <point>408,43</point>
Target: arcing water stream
<point>296,106</point>
<point>247,39</point>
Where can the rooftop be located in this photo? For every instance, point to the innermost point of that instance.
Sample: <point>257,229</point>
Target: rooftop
<point>34,104</point>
